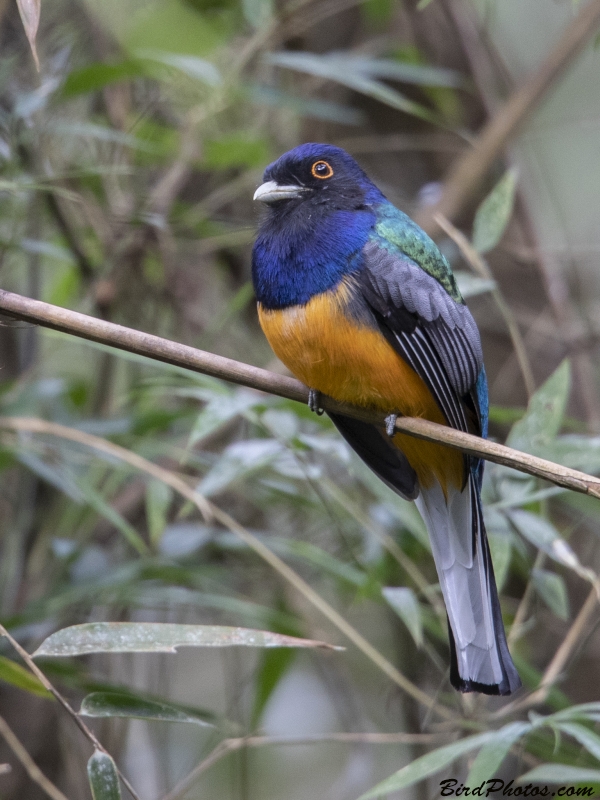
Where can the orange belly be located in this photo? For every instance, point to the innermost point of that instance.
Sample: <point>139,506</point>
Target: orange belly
<point>331,352</point>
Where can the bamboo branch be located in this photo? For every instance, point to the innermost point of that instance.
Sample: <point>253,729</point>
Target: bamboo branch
<point>180,355</point>
<point>92,738</point>
<point>479,265</point>
<point>32,769</point>
<point>231,745</point>
<point>177,483</point>
<point>469,170</point>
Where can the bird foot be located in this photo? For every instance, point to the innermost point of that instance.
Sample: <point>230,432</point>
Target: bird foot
<point>314,402</point>
<point>390,424</point>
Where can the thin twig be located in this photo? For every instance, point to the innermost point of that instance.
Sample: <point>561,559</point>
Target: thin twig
<point>468,171</point>
<point>479,265</point>
<point>180,355</point>
<point>32,769</point>
<point>215,513</point>
<point>390,544</point>
<point>90,735</point>
<point>516,628</point>
<point>230,745</point>
<point>492,80</point>
<point>562,655</point>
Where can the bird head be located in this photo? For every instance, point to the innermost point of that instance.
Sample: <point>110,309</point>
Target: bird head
<point>315,175</point>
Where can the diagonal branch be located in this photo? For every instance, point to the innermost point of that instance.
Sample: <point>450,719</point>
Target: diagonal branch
<point>34,425</point>
<point>180,355</point>
<point>469,170</point>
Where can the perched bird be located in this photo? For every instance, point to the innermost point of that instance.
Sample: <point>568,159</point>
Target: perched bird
<point>359,303</point>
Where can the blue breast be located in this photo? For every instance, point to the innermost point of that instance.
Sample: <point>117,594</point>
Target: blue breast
<point>293,262</point>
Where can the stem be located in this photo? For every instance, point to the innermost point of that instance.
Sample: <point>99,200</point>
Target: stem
<point>215,513</point>
<point>32,769</point>
<point>468,171</point>
<point>63,702</point>
<point>180,355</point>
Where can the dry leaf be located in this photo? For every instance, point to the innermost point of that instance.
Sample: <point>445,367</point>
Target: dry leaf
<point>30,16</point>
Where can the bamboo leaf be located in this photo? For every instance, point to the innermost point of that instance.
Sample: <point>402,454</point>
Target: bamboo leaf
<point>490,757</point>
<point>561,773</point>
<point>159,637</point>
<point>337,68</point>
<point>429,764</point>
<point>197,68</point>
<point>553,591</point>
<point>494,213</point>
<point>103,777</point>
<point>404,602</point>
<point>541,533</point>
<point>113,704</point>
<point>258,13</point>
<point>30,17</point>
<point>471,285</point>
<point>16,675</point>
<point>586,737</point>
<point>545,412</point>
<point>159,497</point>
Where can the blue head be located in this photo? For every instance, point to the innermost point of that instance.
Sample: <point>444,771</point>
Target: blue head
<point>320,210</point>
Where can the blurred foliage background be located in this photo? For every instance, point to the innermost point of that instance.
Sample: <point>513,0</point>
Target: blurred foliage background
<point>127,167</point>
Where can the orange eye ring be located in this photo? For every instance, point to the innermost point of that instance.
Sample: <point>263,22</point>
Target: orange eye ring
<point>321,170</point>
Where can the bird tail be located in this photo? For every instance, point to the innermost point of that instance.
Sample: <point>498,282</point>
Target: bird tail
<point>480,661</point>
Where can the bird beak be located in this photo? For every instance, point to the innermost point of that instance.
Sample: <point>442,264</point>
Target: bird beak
<point>271,192</point>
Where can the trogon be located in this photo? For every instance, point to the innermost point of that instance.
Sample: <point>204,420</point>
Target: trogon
<point>360,304</point>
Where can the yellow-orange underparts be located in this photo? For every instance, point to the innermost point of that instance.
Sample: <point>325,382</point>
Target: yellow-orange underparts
<point>331,352</point>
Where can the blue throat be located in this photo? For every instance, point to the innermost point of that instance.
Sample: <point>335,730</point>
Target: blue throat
<point>298,258</point>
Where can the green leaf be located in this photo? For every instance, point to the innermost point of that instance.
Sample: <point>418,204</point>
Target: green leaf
<point>160,637</point>
<point>560,773</point>
<point>159,497</point>
<point>258,13</point>
<point>16,675</point>
<point>336,68</point>
<point>501,550</point>
<point>576,452</point>
<point>113,704</point>
<point>404,602</point>
<point>541,533</point>
<point>545,412</point>
<point>96,76</point>
<point>273,666</point>
<point>553,591</point>
<point>490,757</point>
<point>306,106</point>
<point>101,133</point>
<point>471,285</point>
<point>586,737</point>
<point>219,411</point>
<point>235,150</point>
<point>95,500</point>
<point>196,68</point>
<point>494,213</point>
<point>317,557</point>
<point>429,764</point>
<point>103,777</point>
<point>403,71</point>
<point>65,286</point>
<point>238,461</point>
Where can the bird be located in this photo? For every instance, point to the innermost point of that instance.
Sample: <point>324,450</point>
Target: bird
<point>359,303</point>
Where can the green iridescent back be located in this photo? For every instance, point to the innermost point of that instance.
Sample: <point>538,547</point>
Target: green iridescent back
<point>398,233</point>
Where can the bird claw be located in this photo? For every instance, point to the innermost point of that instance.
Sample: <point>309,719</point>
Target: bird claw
<point>314,402</point>
<point>390,424</point>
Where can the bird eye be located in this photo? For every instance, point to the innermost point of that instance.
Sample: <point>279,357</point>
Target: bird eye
<point>321,170</point>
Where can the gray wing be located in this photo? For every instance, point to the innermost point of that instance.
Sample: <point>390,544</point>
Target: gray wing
<point>436,335</point>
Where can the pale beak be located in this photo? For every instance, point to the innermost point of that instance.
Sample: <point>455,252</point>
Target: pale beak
<point>271,192</point>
